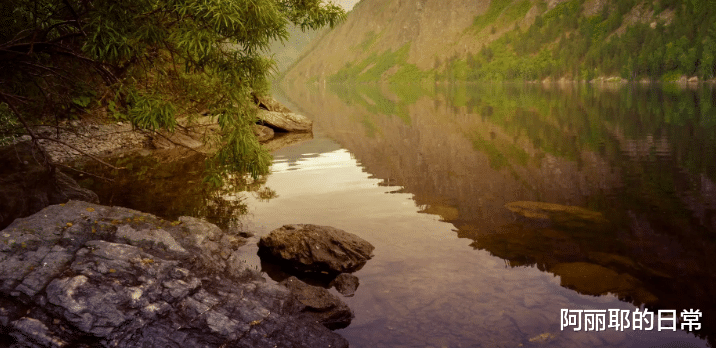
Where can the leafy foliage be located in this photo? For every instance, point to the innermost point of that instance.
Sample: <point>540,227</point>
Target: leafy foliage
<point>156,61</point>
<point>658,40</point>
<point>563,41</point>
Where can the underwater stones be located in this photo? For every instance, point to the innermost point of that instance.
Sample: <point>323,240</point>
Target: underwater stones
<point>346,284</point>
<point>318,249</point>
<point>319,303</point>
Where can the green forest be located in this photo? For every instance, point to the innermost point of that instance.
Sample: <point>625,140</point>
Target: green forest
<point>677,38</point>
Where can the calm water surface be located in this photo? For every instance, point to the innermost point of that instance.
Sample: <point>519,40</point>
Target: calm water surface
<point>494,207</point>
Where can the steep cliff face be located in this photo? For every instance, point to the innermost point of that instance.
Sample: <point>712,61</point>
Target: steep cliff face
<point>405,40</point>
<point>376,26</point>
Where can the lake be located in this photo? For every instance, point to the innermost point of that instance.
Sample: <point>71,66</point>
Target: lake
<point>503,215</point>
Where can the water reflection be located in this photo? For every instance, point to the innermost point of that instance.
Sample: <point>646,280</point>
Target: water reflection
<point>168,183</point>
<point>487,159</point>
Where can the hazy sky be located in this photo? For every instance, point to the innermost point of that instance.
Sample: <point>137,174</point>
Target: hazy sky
<point>346,4</point>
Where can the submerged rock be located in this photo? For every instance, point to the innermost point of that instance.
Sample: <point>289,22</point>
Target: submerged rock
<point>313,248</point>
<point>320,304</point>
<point>346,284</point>
<point>81,274</point>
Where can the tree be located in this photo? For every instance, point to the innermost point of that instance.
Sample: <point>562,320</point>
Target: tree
<point>152,60</point>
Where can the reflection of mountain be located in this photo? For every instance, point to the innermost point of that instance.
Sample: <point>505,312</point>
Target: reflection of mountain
<point>465,153</point>
<point>285,53</point>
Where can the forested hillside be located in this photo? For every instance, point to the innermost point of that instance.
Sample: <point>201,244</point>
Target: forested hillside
<point>394,40</point>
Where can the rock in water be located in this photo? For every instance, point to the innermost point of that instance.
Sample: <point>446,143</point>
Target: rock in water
<point>320,304</point>
<point>263,133</point>
<point>80,274</point>
<point>346,284</point>
<point>313,248</point>
<point>285,121</point>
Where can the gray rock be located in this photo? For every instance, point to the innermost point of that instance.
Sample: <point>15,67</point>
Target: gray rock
<point>50,266</point>
<point>263,133</point>
<point>313,248</point>
<point>151,238</point>
<point>269,103</point>
<point>285,121</point>
<point>33,330</point>
<point>81,274</point>
<point>319,303</point>
<point>346,284</point>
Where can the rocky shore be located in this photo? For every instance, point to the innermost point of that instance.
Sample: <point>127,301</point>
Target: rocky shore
<point>74,273</point>
<point>277,126</point>
<point>85,275</point>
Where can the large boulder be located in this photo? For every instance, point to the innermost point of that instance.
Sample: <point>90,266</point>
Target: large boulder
<point>346,284</point>
<point>85,275</point>
<point>313,248</point>
<point>27,185</point>
<point>273,114</point>
<point>285,121</point>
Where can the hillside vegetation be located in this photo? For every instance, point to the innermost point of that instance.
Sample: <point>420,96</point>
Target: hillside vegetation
<point>397,41</point>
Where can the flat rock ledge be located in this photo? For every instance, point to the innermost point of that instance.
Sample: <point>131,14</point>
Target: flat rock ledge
<point>316,249</point>
<point>85,275</point>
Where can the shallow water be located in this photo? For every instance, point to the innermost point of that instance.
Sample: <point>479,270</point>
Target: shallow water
<point>453,187</point>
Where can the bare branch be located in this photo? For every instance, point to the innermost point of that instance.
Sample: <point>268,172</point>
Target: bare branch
<point>82,172</point>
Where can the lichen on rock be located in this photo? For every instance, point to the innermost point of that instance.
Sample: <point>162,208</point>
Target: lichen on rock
<point>114,277</point>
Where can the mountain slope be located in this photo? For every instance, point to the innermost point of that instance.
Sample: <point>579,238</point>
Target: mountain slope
<point>400,40</point>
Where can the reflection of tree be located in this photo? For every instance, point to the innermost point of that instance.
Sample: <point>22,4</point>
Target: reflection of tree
<point>170,186</point>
